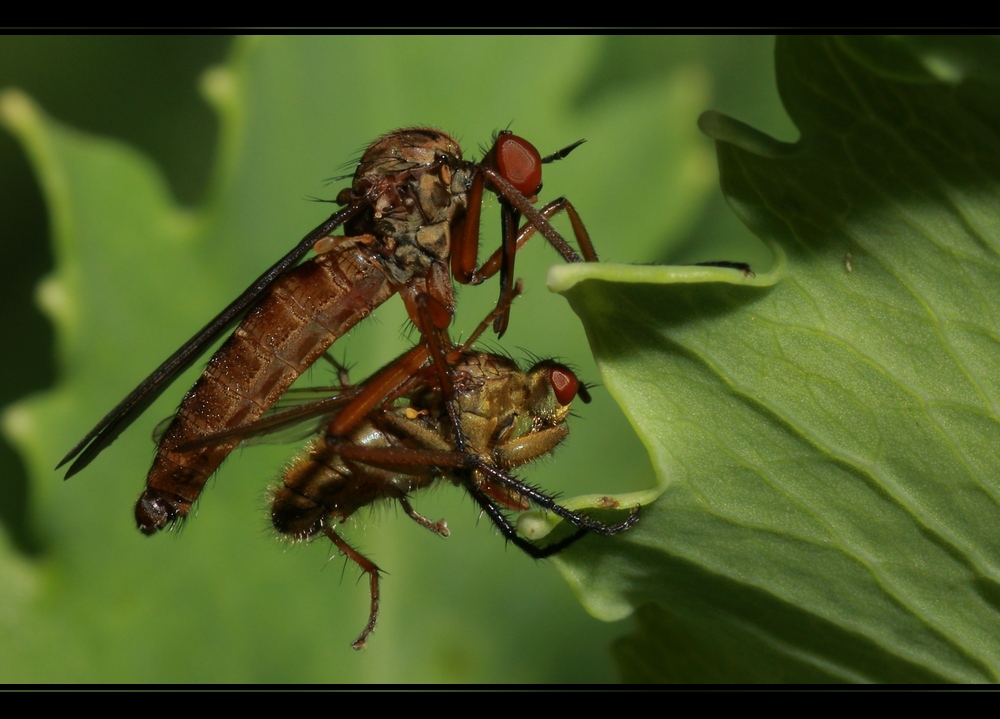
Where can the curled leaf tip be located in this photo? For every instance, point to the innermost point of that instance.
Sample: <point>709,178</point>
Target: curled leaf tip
<point>562,278</point>
<point>17,110</point>
<point>723,128</point>
<point>218,85</point>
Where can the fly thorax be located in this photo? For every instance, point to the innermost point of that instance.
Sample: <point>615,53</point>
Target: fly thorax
<point>442,194</point>
<point>435,240</point>
<point>479,433</point>
<point>407,261</point>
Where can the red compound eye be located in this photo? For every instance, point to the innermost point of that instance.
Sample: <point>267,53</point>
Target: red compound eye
<point>519,163</point>
<point>564,384</point>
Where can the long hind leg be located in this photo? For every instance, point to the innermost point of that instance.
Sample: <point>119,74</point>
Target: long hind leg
<point>371,569</point>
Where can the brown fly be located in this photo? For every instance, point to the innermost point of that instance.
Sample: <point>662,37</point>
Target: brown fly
<point>411,224</point>
<point>506,418</point>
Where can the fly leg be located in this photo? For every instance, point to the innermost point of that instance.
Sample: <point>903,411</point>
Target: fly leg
<point>540,499</point>
<point>373,572</point>
<point>560,204</point>
<point>507,529</point>
<point>503,259</point>
<point>439,348</point>
<point>499,488</point>
<point>343,371</point>
<point>513,170</point>
<point>438,527</point>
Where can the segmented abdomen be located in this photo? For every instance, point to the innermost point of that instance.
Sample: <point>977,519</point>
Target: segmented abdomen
<point>286,332</point>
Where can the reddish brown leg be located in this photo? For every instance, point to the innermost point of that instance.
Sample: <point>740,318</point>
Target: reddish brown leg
<point>492,317</point>
<point>510,218</point>
<point>373,571</point>
<point>503,259</point>
<point>438,343</point>
<point>465,242</point>
<point>438,527</point>
<point>515,201</point>
<point>384,385</point>
<point>560,204</point>
<point>392,380</point>
<point>439,347</point>
<point>534,215</point>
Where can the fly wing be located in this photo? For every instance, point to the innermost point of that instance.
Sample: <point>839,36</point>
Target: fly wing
<point>290,420</point>
<point>139,399</point>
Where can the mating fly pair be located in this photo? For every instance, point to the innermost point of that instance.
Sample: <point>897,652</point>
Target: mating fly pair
<point>411,225</point>
<point>473,426</point>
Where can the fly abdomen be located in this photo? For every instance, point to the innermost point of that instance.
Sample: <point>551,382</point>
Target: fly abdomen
<point>322,485</point>
<point>302,315</point>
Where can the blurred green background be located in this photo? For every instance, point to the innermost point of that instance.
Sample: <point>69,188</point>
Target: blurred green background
<point>144,92</point>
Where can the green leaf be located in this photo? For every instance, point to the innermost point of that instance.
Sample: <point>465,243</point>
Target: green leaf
<point>826,434</point>
<point>136,275</point>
